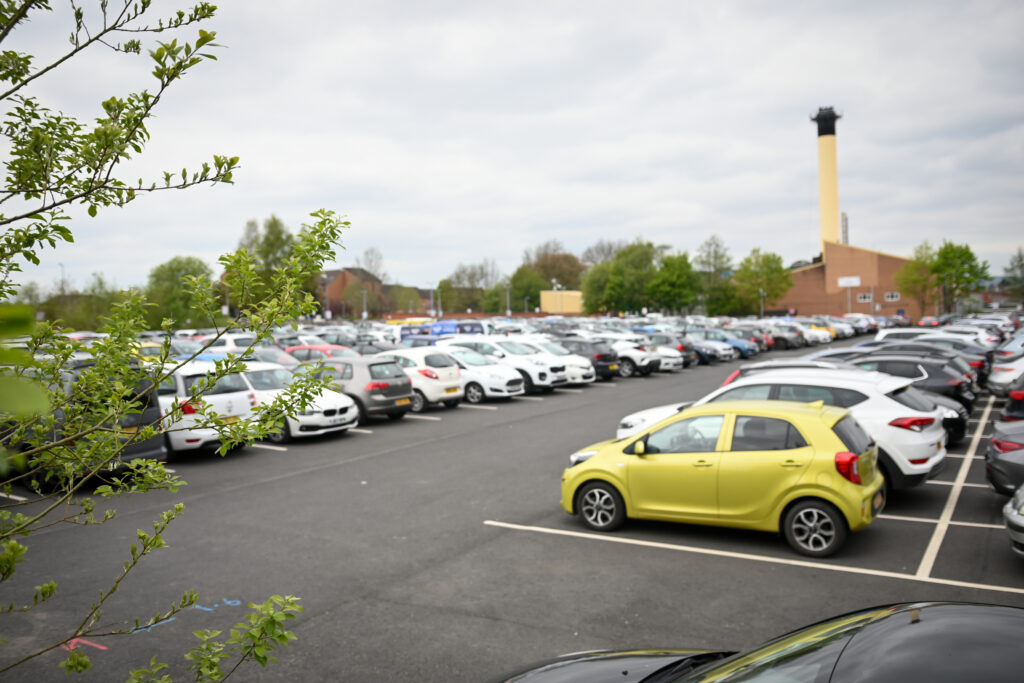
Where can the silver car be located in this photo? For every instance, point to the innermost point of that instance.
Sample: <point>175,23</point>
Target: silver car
<point>1013,515</point>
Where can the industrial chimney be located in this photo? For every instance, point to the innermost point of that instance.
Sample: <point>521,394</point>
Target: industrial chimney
<point>828,175</point>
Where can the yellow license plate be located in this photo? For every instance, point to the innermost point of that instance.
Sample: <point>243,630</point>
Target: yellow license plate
<point>402,402</point>
<point>451,390</point>
<point>228,419</point>
<point>613,367</point>
<point>129,430</point>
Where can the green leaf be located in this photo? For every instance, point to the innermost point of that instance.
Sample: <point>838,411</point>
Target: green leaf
<point>21,397</point>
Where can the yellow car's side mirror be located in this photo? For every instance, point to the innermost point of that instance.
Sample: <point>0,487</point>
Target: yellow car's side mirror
<point>639,448</point>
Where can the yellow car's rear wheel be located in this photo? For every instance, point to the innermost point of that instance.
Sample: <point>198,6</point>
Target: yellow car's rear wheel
<point>814,528</point>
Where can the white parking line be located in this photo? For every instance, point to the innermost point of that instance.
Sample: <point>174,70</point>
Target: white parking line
<point>358,430</point>
<point>605,385</point>
<point>924,569</point>
<point>268,447</point>
<point>962,484</point>
<point>20,499</point>
<point>964,455</point>
<point>925,520</point>
<point>168,470</point>
<point>529,398</point>
<point>754,558</point>
<point>423,417</point>
<point>570,391</point>
<point>473,407</point>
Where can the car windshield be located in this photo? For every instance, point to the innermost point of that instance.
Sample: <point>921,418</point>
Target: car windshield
<point>385,370</point>
<point>912,398</point>
<point>471,358</point>
<point>341,352</point>
<point>556,349</point>
<point>224,385</point>
<point>438,360</point>
<point>517,349</point>
<point>265,380</point>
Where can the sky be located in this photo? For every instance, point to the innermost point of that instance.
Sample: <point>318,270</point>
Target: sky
<point>451,132</point>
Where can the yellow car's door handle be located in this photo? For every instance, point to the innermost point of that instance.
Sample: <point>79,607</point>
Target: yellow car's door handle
<point>703,463</point>
<point>791,463</point>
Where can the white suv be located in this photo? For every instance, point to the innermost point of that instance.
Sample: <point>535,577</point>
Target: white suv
<point>537,372</point>
<point>907,426</point>
<point>230,397</point>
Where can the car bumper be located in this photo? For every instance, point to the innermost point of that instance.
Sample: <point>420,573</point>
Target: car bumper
<point>670,364</point>
<point>514,387</point>
<point>1014,525</point>
<point>580,376</point>
<point>310,425</point>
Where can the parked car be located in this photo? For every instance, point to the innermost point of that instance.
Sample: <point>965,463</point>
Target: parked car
<point>377,385</point>
<point>970,367</point>
<point>940,642</point>
<point>1004,457</point>
<point>230,397</point>
<point>1014,408</point>
<point>484,377</point>
<point>1007,371</point>
<point>602,356</point>
<point>309,353</point>
<point>788,336</point>
<point>907,427</point>
<point>578,369</point>
<point>714,344</point>
<point>1013,516</point>
<point>744,347</point>
<point>762,465</point>
<point>934,375</point>
<point>330,411</point>
<point>227,342</point>
<point>537,372</point>
<point>435,376</point>
<point>684,346</point>
<point>274,354</point>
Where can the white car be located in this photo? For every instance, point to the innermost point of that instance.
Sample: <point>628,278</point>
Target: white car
<point>231,398</point>
<point>537,372</point>
<point>1006,371</point>
<point>813,335</point>
<point>578,370</point>
<point>229,342</point>
<point>670,360</point>
<point>483,377</point>
<point>907,426</point>
<point>634,356</point>
<point>435,375</point>
<point>330,411</point>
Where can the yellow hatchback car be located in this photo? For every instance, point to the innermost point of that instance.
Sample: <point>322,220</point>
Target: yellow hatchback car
<point>805,469</point>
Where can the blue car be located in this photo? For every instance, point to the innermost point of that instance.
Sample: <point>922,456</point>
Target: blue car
<point>746,349</point>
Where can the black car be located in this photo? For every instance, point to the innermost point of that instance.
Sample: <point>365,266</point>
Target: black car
<point>978,363</point>
<point>1004,457</point>
<point>935,375</point>
<point>1014,408</point>
<point>937,642</point>
<point>601,355</point>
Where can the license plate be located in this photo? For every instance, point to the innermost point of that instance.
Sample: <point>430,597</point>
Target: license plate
<point>334,420</point>
<point>451,390</point>
<point>613,367</point>
<point>230,419</point>
<point>877,503</point>
<point>402,402</point>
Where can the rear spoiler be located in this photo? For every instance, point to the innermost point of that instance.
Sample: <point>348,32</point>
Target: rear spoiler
<point>683,406</point>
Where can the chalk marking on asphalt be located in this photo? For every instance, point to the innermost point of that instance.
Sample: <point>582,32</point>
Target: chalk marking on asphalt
<point>926,520</point>
<point>20,499</point>
<point>924,569</point>
<point>268,447</point>
<point>473,407</point>
<point>570,391</point>
<point>529,398</point>
<point>358,430</point>
<point>953,483</point>
<point>754,558</point>
<point>423,417</point>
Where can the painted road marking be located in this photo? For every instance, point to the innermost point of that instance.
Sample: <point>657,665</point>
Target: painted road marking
<point>571,391</point>
<point>357,430</point>
<point>754,558</point>
<point>965,485</point>
<point>529,398</point>
<point>169,470</point>
<point>924,569</point>
<point>268,447</point>
<point>925,520</point>
<point>20,499</point>
<point>473,407</point>
<point>422,417</point>
<point>605,385</point>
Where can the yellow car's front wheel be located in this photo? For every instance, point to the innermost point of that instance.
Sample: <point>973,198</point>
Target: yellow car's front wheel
<point>815,528</point>
<point>600,506</point>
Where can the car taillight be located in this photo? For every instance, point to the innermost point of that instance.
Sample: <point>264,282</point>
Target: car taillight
<point>253,401</point>
<point>848,465</point>
<point>1004,446</point>
<point>730,378</point>
<point>640,348</point>
<point>376,385</point>
<point>1006,353</point>
<point>1017,395</point>
<point>955,382</point>
<point>680,347</point>
<point>597,356</point>
<point>188,407</point>
<point>914,424</point>
<point>976,363</point>
<point>427,372</point>
<point>1001,369</point>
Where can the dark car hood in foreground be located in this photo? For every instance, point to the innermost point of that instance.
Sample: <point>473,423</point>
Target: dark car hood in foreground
<point>627,666</point>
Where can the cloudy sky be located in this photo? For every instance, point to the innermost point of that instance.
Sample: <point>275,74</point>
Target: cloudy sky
<point>453,131</point>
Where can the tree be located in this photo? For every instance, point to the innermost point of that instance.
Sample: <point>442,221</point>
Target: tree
<point>405,299</point>
<point>527,285</point>
<point>632,272</point>
<point>1014,273</point>
<point>269,246</point>
<point>601,251</point>
<point>594,286</point>
<point>166,289</point>
<point>957,273</point>
<point>553,262</point>
<point>761,274</point>
<point>916,279</point>
<point>676,284</point>
<point>464,288</point>
<point>353,298</point>
<point>66,436</point>
<point>715,266</point>
<point>372,261</point>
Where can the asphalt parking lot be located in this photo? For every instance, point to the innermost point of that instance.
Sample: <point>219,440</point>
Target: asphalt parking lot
<point>435,549</point>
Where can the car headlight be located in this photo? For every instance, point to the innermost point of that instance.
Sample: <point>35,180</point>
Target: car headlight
<point>581,456</point>
<point>309,411</point>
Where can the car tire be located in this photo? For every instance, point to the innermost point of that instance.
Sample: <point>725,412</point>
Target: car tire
<point>397,416</point>
<point>474,393</point>
<point>814,528</point>
<point>600,506</point>
<point>627,368</point>
<point>419,401</point>
<point>453,403</point>
<point>528,386</point>
<point>360,410</point>
<point>283,435</point>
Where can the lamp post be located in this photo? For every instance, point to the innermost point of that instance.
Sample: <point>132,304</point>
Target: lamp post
<point>508,301</point>
<point>555,285</point>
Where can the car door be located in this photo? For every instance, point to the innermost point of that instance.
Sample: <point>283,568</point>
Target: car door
<point>676,477</point>
<point>766,458</point>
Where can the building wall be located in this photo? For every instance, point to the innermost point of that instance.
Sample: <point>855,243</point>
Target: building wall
<point>561,301</point>
<point>816,288</point>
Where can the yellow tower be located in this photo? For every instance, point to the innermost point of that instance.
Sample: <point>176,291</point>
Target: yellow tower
<point>828,175</point>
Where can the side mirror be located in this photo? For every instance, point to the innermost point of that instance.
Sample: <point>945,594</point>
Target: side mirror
<point>639,448</point>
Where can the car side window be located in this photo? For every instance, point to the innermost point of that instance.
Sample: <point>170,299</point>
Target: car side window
<point>807,394</point>
<point>753,433</point>
<point>755,392</point>
<point>902,369</point>
<point>694,435</point>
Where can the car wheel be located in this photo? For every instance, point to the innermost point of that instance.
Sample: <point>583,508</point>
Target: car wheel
<point>814,528</point>
<point>527,382</point>
<point>886,478</point>
<point>453,403</point>
<point>627,368</point>
<point>283,435</point>
<point>419,401</point>
<point>600,506</point>
<point>474,393</point>
<point>396,416</point>
<point>361,410</point>
<point>646,372</point>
